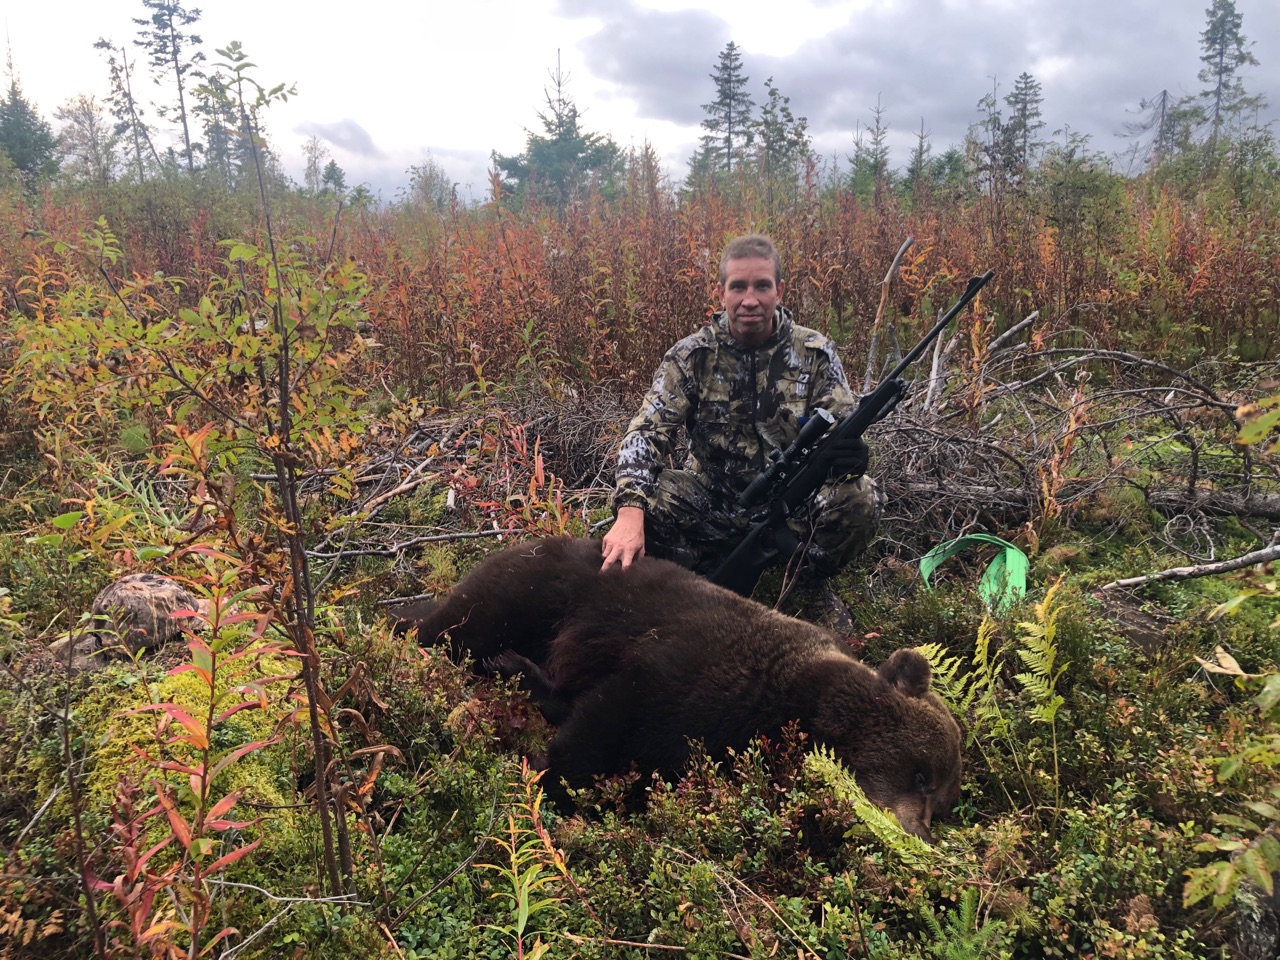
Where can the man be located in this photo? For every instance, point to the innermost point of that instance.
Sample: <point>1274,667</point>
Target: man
<point>742,387</point>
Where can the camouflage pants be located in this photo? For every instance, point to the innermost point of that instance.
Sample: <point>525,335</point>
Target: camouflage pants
<point>697,528</point>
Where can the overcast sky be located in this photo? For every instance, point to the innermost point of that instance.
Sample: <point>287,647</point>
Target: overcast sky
<point>389,83</point>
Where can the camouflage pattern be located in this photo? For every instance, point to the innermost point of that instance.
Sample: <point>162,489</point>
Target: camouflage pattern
<point>133,613</point>
<point>738,406</point>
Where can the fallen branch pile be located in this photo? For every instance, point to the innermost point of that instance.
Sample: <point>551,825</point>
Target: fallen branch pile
<point>1025,435</point>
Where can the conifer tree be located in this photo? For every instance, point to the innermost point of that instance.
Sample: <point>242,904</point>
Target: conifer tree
<point>728,124</point>
<point>1024,120</point>
<point>558,166</point>
<point>220,121</point>
<point>869,173</point>
<point>25,136</point>
<point>1165,130</point>
<point>171,51</point>
<point>1226,53</point>
<point>334,178</point>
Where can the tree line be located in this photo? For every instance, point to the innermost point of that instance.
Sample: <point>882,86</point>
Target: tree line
<point>118,138</point>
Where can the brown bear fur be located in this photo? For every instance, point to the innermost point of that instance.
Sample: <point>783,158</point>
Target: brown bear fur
<point>633,664</point>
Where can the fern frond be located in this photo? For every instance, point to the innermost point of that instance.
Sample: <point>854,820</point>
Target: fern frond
<point>1039,653</point>
<point>984,684</point>
<point>822,763</point>
<point>955,689</point>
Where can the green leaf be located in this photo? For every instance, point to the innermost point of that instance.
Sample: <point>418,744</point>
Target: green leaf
<point>1261,421</point>
<point>1256,868</point>
<point>153,552</point>
<point>67,520</point>
<point>1230,606</point>
<point>1270,694</point>
<point>1263,808</point>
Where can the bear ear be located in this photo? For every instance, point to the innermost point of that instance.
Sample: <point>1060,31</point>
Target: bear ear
<point>908,671</point>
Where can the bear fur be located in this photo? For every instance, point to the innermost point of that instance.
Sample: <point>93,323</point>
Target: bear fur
<point>633,664</point>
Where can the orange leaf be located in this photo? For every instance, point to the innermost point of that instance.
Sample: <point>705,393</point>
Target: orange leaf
<point>232,857</point>
<point>239,752</point>
<point>225,804</point>
<point>181,829</point>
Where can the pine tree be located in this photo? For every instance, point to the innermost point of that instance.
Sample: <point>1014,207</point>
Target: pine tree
<point>170,50</point>
<point>728,124</point>
<point>124,107</point>
<point>557,167</point>
<point>1226,52</point>
<point>783,147</point>
<point>26,137</point>
<point>1024,120</point>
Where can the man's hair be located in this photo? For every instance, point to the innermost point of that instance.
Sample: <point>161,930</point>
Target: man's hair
<point>750,247</point>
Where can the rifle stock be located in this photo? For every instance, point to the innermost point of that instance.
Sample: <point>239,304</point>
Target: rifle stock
<point>802,468</point>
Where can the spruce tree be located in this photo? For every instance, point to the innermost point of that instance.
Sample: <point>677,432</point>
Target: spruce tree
<point>171,51</point>
<point>334,178</point>
<point>557,167</point>
<point>1024,120</point>
<point>1226,52</point>
<point>728,124</point>
<point>25,136</point>
<point>1165,130</point>
<point>218,114</point>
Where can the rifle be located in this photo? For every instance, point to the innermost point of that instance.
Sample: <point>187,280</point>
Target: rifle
<point>798,472</point>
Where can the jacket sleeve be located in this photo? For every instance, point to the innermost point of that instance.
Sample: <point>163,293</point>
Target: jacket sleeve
<point>651,436</point>
<point>831,389</point>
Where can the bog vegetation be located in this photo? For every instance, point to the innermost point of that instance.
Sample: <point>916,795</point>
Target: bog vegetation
<point>304,405</point>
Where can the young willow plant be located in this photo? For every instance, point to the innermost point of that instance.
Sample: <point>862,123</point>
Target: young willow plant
<point>532,867</point>
<point>167,898</point>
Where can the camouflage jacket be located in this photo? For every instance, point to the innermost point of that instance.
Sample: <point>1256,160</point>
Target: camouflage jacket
<point>737,404</point>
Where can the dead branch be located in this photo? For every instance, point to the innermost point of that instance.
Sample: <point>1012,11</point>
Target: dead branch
<point>1265,555</point>
<point>876,327</point>
<point>396,549</point>
<point>1218,503</point>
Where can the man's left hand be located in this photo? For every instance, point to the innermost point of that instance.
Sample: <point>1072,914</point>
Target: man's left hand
<point>850,457</point>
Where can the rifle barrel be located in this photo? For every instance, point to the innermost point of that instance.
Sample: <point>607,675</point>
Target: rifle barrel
<point>971,291</point>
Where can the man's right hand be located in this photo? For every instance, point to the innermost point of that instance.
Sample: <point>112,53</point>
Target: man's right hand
<point>625,539</point>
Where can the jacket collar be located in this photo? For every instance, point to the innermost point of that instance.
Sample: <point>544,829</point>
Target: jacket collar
<point>782,324</point>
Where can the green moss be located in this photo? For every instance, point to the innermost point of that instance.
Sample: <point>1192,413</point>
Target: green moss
<point>128,741</point>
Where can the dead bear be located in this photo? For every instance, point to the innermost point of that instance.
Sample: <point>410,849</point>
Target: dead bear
<point>634,664</point>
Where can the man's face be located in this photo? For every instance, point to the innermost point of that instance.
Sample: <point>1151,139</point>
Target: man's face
<point>750,296</point>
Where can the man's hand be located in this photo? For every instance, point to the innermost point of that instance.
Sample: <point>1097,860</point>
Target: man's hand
<point>625,539</point>
<point>849,458</point>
